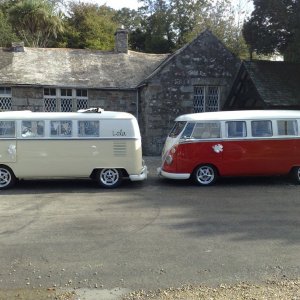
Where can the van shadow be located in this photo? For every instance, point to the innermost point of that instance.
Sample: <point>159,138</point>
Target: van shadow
<point>232,181</point>
<point>90,186</point>
<point>65,186</point>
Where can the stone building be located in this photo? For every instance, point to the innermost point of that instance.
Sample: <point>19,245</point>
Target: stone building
<point>265,85</point>
<point>196,78</point>
<point>154,87</point>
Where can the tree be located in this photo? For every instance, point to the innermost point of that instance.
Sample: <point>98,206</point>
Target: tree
<point>90,26</point>
<point>170,24</point>
<point>35,21</point>
<point>157,24</point>
<point>274,27</point>
<point>186,15</point>
<point>223,20</point>
<point>7,35</point>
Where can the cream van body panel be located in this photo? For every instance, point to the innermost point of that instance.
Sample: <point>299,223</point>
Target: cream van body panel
<point>70,145</point>
<point>75,158</point>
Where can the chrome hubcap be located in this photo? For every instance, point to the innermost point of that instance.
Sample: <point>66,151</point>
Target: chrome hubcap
<point>109,176</point>
<point>205,175</point>
<point>5,177</point>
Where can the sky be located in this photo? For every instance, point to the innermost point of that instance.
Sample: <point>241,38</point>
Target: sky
<point>134,4</point>
<point>118,4</point>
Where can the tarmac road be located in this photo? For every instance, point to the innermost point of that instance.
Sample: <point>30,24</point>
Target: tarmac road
<point>148,235</point>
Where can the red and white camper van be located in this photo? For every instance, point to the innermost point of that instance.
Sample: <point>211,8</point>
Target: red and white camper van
<point>204,146</point>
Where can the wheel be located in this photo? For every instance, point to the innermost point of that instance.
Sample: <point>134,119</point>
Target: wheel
<point>205,175</point>
<point>296,174</point>
<point>109,178</point>
<point>7,178</point>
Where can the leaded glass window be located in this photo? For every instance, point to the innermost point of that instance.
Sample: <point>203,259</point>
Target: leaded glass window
<point>5,98</point>
<point>206,98</point>
<point>199,99</point>
<point>50,104</point>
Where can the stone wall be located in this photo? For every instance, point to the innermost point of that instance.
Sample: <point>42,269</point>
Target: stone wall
<point>115,100</point>
<point>170,91</point>
<point>32,98</point>
<point>27,98</point>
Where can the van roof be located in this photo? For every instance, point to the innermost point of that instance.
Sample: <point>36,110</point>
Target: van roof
<point>27,114</point>
<point>240,115</point>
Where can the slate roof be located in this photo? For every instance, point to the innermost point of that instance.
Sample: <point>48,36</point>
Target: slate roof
<point>76,68</point>
<point>277,82</point>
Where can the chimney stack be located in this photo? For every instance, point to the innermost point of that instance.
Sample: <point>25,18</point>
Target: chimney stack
<point>17,47</point>
<point>121,41</point>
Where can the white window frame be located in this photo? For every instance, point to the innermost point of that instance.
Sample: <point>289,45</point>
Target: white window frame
<point>61,101</point>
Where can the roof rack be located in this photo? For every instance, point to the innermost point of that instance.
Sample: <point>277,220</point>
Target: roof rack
<point>91,110</point>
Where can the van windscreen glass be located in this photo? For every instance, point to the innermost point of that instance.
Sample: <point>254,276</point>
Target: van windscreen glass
<point>177,128</point>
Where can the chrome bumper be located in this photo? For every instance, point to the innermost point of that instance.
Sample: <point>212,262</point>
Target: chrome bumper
<point>142,176</point>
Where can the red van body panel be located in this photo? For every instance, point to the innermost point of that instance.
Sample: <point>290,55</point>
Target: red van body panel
<point>238,158</point>
<point>207,145</point>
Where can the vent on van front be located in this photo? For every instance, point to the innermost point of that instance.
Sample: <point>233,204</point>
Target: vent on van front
<point>120,149</point>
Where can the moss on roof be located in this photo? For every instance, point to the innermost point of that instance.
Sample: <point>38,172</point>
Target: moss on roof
<point>76,67</point>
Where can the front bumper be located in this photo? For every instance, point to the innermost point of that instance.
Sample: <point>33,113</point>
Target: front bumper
<point>161,172</point>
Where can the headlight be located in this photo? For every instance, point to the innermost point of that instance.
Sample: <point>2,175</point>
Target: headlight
<point>169,159</point>
<point>173,150</point>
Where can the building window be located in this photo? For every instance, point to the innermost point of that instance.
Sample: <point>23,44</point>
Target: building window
<point>66,92</point>
<point>81,99</point>
<point>50,102</point>
<point>5,91</point>
<point>5,98</point>
<point>65,100</point>
<point>49,92</point>
<point>66,105</point>
<point>81,93</point>
<point>206,98</point>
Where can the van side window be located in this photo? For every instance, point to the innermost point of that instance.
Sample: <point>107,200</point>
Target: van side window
<point>88,128</point>
<point>7,129</point>
<point>207,130</point>
<point>60,128</point>
<point>287,127</point>
<point>236,129</point>
<point>261,128</point>
<point>188,130</point>
<point>33,129</point>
